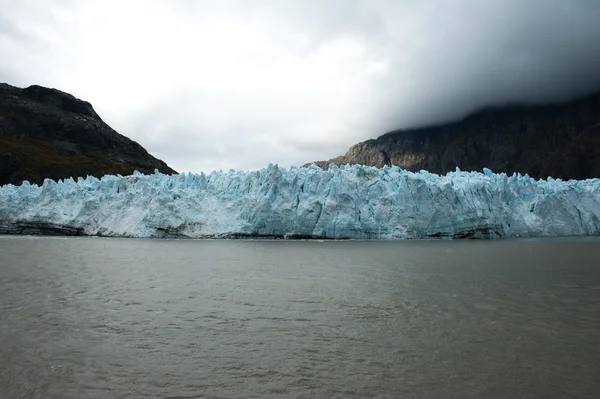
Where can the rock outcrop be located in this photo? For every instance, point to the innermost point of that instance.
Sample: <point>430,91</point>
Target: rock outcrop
<point>46,133</point>
<point>562,141</point>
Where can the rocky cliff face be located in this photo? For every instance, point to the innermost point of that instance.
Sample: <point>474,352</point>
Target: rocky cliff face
<point>45,133</point>
<point>562,141</point>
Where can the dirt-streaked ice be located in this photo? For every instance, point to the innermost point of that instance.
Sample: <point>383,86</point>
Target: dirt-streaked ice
<point>342,202</point>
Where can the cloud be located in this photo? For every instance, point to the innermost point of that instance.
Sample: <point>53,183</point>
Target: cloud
<point>239,84</point>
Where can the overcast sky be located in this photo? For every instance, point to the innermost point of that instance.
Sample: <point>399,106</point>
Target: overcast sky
<point>223,84</point>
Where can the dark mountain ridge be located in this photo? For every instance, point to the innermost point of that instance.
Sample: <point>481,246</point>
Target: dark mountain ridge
<point>558,140</point>
<point>46,133</point>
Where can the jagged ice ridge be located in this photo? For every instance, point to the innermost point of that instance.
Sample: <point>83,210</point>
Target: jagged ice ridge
<point>343,202</point>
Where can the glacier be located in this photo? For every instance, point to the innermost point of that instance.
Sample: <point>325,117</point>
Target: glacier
<point>347,202</point>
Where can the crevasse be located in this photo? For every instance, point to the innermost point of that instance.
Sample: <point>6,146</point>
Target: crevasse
<point>343,202</point>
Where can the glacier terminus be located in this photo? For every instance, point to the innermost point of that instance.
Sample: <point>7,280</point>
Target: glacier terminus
<point>347,202</point>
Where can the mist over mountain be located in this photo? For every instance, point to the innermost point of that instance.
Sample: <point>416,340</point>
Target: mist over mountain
<point>558,140</point>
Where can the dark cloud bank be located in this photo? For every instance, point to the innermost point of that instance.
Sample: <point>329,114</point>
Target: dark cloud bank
<point>428,62</point>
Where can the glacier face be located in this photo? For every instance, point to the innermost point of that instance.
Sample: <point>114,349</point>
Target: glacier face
<point>342,202</point>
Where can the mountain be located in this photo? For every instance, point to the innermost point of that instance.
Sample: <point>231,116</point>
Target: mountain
<point>46,133</point>
<point>560,140</point>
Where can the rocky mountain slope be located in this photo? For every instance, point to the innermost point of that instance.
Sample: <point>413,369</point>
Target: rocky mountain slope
<point>46,133</point>
<point>562,141</point>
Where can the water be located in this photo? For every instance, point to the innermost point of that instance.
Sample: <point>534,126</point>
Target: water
<point>128,318</point>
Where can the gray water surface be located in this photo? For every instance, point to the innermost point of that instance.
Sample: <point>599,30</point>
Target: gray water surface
<point>130,318</point>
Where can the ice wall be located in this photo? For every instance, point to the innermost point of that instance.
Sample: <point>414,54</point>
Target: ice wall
<point>342,202</point>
